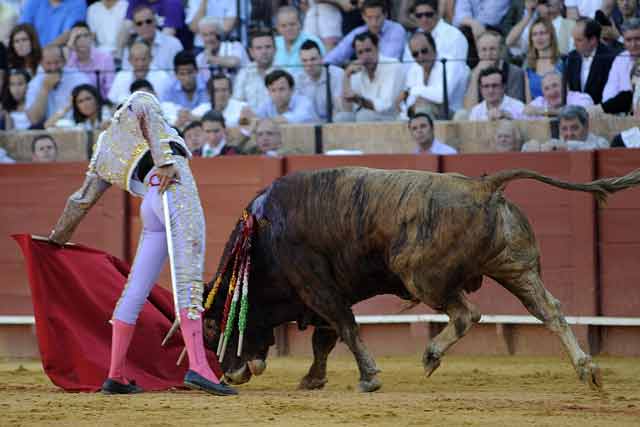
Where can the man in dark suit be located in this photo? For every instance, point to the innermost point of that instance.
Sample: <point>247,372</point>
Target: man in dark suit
<point>589,64</point>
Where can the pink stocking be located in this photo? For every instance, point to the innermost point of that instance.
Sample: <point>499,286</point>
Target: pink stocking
<point>192,336</point>
<point>120,339</point>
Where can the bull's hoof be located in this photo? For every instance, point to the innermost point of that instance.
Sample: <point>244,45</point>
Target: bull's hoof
<point>590,373</point>
<point>431,362</point>
<point>368,386</point>
<point>310,383</point>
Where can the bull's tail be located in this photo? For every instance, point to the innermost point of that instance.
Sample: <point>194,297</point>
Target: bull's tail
<point>600,188</point>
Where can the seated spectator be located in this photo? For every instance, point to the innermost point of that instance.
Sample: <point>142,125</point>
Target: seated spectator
<point>450,42</point>
<point>324,20</point>
<point>477,14</point>
<point>5,158</point>
<point>224,13</point>
<point>496,104</point>
<point>290,39</point>
<point>218,56</point>
<point>220,89</point>
<point>391,35</point>
<point>268,137</point>
<point>491,50</point>
<point>617,96</point>
<point>542,56</point>
<point>87,109</point>
<point>44,149</point>
<point>84,57</point>
<point>518,37</point>
<point>574,134</point>
<point>49,90</point>
<point>625,10</point>
<point>141,59</point>
<point>249,84</point>
<point>421,129</point>
<point>508,137</point>
<point>164,47</point>
<point>312,82</point>
<point>14,100</point>
<point>105,18</point>
<point>188,90</point>
<point>53,18</point>
<point>425,78</point>
<point>551,102</point>
<point>194,137</point>
<point>215,136</point>
<point>590,61</point>
<point>371,84</point>
<point>24,49</point>
<point>284,105</point>
<point>169,13</point>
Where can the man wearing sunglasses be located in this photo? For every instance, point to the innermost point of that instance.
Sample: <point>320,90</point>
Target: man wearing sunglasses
<point>164,46</point>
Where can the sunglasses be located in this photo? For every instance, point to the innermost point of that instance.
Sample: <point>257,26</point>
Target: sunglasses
<point>421,15</point>
<point>147,21</point>
<point>423,51</point>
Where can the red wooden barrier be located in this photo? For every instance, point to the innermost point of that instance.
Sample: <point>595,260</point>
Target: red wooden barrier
<point>33,198</point>
<point>619,238</point>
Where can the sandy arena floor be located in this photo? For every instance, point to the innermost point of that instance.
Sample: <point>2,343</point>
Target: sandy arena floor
<point>465,391</point>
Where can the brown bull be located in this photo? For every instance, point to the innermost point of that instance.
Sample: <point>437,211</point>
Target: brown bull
<point>329,239</point>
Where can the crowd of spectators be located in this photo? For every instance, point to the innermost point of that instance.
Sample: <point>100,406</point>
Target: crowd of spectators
<point>70,63</point>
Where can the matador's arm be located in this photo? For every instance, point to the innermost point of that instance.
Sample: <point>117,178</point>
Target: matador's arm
<point>77,207</point>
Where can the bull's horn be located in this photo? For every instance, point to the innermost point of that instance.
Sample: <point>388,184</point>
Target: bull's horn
<point>172,330</point>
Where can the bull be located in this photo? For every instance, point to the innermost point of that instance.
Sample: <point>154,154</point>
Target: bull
<point>328,239</point>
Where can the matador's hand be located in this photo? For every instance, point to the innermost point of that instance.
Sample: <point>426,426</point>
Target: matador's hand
<point>167,174</point>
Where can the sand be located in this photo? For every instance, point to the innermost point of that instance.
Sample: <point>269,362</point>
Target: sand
<point>464,391</point>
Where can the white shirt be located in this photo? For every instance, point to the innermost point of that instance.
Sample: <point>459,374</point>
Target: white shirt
<point>450,44</point>
<point>226,49</point>
<point>231,112</point>
<point>433,90</point>
<point>220,9</point>
<point>585,67</point>
<point>438,147</point>
<point>119,91</point>
<point>586,8</point>
<point>619,77</point>
<point>316,90</point>
<point>385,87</point>
<point>508,105</point>
<point>163,50</point>
<point>249,86</point>
<point>105,23</point>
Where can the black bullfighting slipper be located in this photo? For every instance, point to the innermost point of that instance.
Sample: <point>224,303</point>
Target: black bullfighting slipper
<point>195,381</point>
<point>114,387</point>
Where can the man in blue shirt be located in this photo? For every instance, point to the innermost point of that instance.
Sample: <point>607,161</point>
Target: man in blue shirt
<point>53,18</point>
<point>290,39</point>
<point>188,90</point>
<point>391,35</point>
<point>284,106</point>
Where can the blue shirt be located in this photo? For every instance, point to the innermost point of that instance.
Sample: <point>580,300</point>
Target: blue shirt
<point>50,21</point>
<point>391,41</point>
<point>178,96</point>
<point>285,59</point>
<point>300,110</point>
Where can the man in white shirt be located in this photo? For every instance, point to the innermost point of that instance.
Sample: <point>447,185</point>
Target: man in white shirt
<point>421,129</point>
<point>249,84</point>
<point>222,12</point>
<point>164,47</point>
<point>218,56</point>
<point>312,82</point>
<point>105,18</point>
<point>450,42</point>
<point>371,83</point>
<point>618,92</point>
<point>141,59</point>
<point>219,89</point>
<point>496,104</point>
